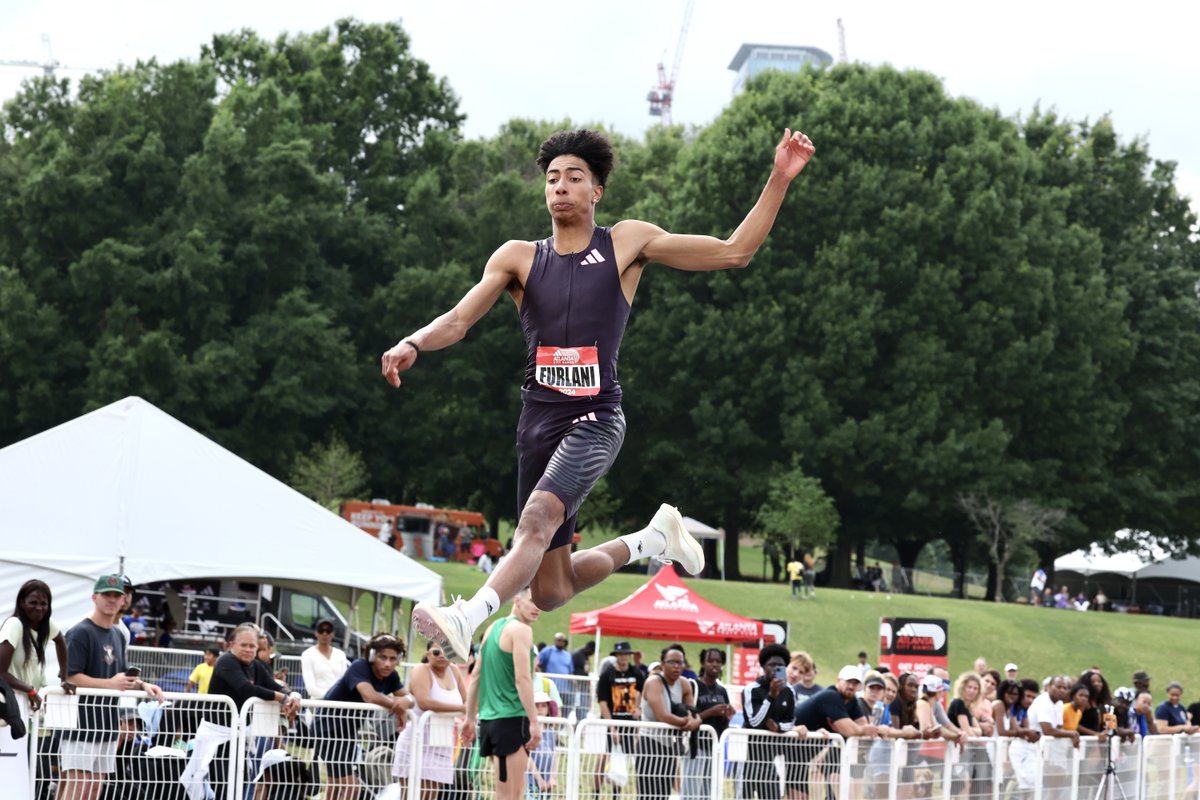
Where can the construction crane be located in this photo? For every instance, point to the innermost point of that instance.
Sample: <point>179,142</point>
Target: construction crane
<point>662,95</point>
<point>48,66</point>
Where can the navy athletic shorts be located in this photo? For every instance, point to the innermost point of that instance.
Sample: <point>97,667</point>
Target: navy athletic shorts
<point>565,449</point>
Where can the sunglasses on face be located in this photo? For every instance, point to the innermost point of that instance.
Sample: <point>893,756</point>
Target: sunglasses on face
<point>325,630</point>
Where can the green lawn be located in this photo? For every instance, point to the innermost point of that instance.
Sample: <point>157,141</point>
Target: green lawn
<point>837,624</point>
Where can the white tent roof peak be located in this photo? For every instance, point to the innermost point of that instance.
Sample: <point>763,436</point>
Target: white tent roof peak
<point>130,481</point>
<point>1094,559</point>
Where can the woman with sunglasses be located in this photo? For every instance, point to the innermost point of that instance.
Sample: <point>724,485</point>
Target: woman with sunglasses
<point>436,688</point>
<point>322,664</point>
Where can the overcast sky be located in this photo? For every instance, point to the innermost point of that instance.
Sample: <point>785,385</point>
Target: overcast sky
<point>595,62</point>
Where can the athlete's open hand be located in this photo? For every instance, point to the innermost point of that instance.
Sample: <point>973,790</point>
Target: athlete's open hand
<point>793,153</point>
<point>397,360</point>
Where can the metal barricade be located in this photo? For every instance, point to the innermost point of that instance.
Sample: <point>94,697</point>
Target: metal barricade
<point>446,768</point>
<point>578,693</point>
<point>339,750</point>
<point>168,669</point>
<point>921,768</point>
<point>1058,768</point>
<point>123,746</point>
<point>757,763</point>
<point>867,768</point>
<point>1167,766</point>
<point>643,760</point>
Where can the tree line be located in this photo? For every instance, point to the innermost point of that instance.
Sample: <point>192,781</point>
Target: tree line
<point>955,311</point>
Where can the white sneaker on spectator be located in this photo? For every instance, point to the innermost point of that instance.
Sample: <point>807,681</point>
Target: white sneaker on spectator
<point>446,625</point>
<point>682,548</point>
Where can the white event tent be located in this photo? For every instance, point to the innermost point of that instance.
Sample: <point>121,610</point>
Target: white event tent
<point>128,488</point>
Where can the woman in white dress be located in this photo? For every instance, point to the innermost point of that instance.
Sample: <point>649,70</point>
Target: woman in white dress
<point>435,687</point>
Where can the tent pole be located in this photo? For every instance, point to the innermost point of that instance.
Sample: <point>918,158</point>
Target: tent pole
<point>352,617</point>
<point>597,657</point>
<point>728,660</point>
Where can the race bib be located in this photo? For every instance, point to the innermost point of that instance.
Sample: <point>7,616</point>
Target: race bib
<point>574,371</point>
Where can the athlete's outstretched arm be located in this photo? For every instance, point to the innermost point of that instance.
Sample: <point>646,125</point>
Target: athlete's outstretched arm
<point>690,252</point>
<point>501,270</point>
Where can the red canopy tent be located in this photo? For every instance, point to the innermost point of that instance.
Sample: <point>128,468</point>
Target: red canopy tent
<point>666,608</point>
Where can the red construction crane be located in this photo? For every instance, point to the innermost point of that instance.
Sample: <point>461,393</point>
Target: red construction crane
<point>662,95</point>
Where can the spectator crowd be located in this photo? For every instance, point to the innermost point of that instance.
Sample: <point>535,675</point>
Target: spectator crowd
<point>791,712</point>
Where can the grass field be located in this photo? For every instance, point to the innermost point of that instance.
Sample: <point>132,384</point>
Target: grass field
<point>835,625</point>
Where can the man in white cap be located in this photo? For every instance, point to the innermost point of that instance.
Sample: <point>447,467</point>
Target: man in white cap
<point>1010,671</point>
<point>835,709</point>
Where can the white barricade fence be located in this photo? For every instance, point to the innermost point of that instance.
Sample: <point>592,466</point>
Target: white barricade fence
<point>170,669</point>
<point>1091,768</point>
<point>921,768</point>
<point>1058,768</point>
<point>337,750</point>
<point>1169,767</point>
<point>757,763</point>
<point>101,743</point>
<point>578,693</point>
<point>642,760</point>
<point>431,758</point>
<point>166,668</point>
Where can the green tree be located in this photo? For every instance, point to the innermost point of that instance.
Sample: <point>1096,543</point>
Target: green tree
<point>797,515</point>
<point>329,473</point>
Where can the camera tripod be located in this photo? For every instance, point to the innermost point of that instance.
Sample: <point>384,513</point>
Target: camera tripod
<point>1110,778</point>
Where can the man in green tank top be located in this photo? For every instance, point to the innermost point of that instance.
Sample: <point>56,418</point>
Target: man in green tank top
<point>501,697</point>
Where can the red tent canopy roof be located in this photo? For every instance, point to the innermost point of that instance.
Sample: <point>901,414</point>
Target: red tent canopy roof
<point>666,608</point>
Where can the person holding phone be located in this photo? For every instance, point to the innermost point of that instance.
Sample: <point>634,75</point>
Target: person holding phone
<point>770,705</point>
<point>96,660</point>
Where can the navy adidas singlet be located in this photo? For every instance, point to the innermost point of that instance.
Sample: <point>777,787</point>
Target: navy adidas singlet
<point>573,313</point>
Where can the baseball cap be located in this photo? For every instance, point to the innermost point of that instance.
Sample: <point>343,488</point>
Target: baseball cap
<point>560,635</point>
<point>932,683</point>
<point>109,584</point>
<point>622,647</point>
<point>1124,693</point>
<point>1140,676</point>
<point>875,680</point>
<point>541,697</point>
<point>850,673</point>
<point>126,583</point>
<point>1011,667</point>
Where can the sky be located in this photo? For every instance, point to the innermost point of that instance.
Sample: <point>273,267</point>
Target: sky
<point>595,62</point>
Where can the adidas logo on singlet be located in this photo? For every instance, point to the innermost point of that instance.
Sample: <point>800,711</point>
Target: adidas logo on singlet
<point>593,257</point>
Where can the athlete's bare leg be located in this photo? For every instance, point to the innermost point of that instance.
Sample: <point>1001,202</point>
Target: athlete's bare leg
<point>554,576</point>
<point>542,516</point>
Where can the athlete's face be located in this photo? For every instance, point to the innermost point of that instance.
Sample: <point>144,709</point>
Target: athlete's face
<point>571,191</point>
<point>525,609</point>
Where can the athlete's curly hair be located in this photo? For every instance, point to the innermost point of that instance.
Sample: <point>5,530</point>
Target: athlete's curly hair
<point>593,147</point>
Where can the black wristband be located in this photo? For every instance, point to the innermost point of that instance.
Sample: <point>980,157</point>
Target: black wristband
<point>411,344</point>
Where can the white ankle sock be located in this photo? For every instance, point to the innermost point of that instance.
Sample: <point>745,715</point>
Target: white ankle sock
<point>645,543</point>
<point>485,603</point>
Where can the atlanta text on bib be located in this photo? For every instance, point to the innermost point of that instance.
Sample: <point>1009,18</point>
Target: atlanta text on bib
<point>574,371</point>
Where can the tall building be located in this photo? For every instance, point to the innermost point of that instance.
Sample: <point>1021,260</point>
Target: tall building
<point>752,59</point>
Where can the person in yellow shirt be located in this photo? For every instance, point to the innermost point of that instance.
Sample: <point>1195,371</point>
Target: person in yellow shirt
<point>1080,705</point>
<point>795,572</point>
<point>202,674</point>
